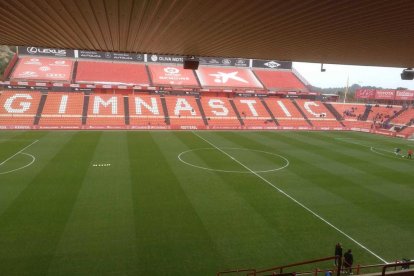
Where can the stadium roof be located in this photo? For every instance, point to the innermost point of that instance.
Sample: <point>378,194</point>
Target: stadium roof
<point>350,32</point>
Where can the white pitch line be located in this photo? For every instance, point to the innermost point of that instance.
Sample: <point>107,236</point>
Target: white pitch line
<point>373,149</point>
<point>20,151</point>
<point>25,166</point>
<point>295,200</point>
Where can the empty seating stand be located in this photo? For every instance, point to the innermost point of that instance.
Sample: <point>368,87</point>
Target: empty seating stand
<point>318,114</point>
<point>62,111</point>
<point>106,112</point>
<point>283,80</point>
<point>146,112</point>
<point>219,113</point>
<point>65,110</point>
<point>111,73</point>
<point>184,113</point>
<point>254,113</point>
<point>18,109</point>
<point>286,114</point>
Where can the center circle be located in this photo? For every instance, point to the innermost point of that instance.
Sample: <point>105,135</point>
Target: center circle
<point>284,162</point>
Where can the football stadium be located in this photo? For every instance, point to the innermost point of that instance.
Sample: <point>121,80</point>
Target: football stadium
<point>178,138</point>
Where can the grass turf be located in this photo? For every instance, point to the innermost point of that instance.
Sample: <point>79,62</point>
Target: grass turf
<point>148,213</point>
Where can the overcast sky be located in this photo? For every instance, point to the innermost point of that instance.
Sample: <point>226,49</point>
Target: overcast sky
<point>336,75</point>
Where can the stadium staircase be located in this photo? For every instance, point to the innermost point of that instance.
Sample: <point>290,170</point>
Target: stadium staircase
<point>269,111</point>
<point>203,114</point>
<point>237,112</point>
<point>40,109</point>
<point>85,109</point>
<point>126,105</point>
<point>367,111</point>
<point>335,113</point>
<point>165,109</point>
<point>301,112</point>
<point>74,71</point>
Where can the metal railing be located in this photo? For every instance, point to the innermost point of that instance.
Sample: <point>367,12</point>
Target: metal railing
<point>395,265</point>
<point>338,270</point>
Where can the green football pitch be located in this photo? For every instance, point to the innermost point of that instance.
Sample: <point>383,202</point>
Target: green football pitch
<point>195,203</point>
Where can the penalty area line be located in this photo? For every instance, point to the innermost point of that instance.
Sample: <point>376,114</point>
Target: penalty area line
<point>295,200</point>
<point>20,151</point>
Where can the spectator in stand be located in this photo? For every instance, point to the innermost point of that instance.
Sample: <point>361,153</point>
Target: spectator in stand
<point>338,252</point>
<point>348,261</point>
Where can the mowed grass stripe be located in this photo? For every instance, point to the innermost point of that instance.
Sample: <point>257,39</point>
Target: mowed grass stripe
<point>297,226</point>
<point>232,136</point>
<point>171,238</point>
<point>99,237</point>
<point>11,184</point>
<point>224,203</point>
<point>356,197</point>
<point>31,227</point>
<point>11,145</point>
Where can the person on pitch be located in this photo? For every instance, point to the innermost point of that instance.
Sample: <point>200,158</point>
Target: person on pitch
<point>348,261</point>
<point>410,154</point>
<point>338,252</point>
<point>397,151</point>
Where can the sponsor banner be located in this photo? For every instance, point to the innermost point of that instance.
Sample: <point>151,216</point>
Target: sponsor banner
<point>148,127</point>
<point>227,77</point>
<point>165,59</point>
<point>58,127</point>
<point>404,95</point>
<point>385,94</point>
<point>110,56</point>
<point>38,88</point>
<point>76,89</point>
<point>15,127</point>
<point>172,76</point>
<point>38,68</point>
<point>50,52</point>
<point>271,64</point>
<point>214,127</point>
<point>236,62</point>
<point>365,93</point>
<point>17,87</point>
<point>247,95</point>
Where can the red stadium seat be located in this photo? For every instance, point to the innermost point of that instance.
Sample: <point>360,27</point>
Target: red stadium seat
<point>146,112</point>
<point>184,112</point>
<point>219,113</point>
<point>111,73</point>
<point>18,108</point>
<point>62,110</point>
<point>106,111</point>
<point>280,80</point>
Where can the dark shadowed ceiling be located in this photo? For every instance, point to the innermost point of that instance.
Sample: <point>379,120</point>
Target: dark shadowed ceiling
<point>342,31</point>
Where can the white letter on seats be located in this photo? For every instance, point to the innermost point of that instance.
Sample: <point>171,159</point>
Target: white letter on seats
<point>285,110</point>
<point>63,104</point>
<point>216,103</point>
<point>99,101</point>
<point>307,104</point>
<point>153,108</point>
<point>182,104</point>
<point>251,107</point>
<point>24,106</point>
